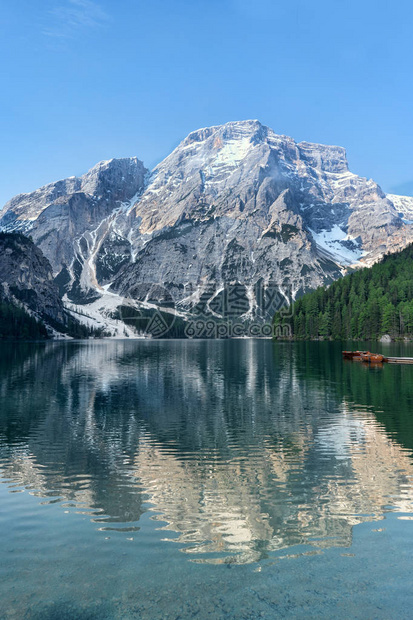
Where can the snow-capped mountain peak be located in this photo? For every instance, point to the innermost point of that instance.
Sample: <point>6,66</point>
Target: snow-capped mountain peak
<point>233,204</point>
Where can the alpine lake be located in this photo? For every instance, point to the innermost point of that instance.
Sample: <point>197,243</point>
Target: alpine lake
<point>166,479</point>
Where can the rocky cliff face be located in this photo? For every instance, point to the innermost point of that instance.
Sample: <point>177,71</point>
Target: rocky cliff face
<point>234,214</point>
<point>69,220</point>
<point>404,206</point>
<point>238,205</point>
<point>26,278</point>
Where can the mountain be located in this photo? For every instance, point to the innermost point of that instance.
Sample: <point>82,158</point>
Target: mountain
<point>69,220</point>
<point>26,278</point>
<point>236,220</point>
<point>29,297</point>
<point>404,206</point>
<point>364,305</point>
<point>30,304</point>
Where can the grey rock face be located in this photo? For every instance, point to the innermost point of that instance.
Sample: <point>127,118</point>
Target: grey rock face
<point>238,204</point>
<point>404,206</point>
<point>26,278</point>
<point>69,220</point>
<point>233,208</point>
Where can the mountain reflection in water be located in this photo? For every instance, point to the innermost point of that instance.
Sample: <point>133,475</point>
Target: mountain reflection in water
<point>237,448</point>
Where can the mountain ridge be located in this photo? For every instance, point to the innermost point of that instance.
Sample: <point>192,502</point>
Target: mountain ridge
<point>231,205</point>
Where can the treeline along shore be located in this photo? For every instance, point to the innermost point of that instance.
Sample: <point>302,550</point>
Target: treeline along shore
<point>365,305</point>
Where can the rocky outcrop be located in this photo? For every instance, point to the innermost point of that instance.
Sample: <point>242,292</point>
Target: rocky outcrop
<point>404,206</point>
<point>26,279</point>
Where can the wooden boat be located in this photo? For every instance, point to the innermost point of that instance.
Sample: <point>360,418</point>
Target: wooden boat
<point>375,358</point>
<point>351,355</point>
<point>364,356</point>
<point>372,358</point>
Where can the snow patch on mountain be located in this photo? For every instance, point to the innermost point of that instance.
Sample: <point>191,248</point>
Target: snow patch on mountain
<point>99,315</point>
<point>404,206</point>
<point>233,152</point>
<point>337,244</point>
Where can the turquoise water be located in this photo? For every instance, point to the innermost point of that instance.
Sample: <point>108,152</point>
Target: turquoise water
<point>207,479</point>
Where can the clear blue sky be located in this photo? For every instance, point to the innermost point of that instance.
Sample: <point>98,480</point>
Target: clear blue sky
<point>89,80</point>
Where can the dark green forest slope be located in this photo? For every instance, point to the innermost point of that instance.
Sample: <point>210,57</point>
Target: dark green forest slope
<point>363,305</point>
<point>17,324</point>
